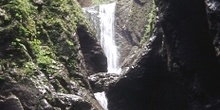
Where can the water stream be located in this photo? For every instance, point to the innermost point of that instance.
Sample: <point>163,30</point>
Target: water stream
<point>102,99</point>
<point>105,17</point>
<point>107,36</point>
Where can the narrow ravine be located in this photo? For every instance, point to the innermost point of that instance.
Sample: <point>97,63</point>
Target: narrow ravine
<point>106,29</point>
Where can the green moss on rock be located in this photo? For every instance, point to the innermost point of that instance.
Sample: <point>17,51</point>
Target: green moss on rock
<point>36,35</point>
<point>150,26</point>
<point>38,46</point>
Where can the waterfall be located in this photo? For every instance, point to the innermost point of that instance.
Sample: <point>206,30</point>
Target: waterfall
<point>105,17</point>
<point>107,36</point>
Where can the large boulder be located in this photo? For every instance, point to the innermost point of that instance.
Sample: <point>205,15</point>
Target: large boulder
<point>147,85</point>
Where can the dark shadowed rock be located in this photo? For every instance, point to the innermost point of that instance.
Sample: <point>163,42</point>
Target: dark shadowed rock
<point>94,56</point>
<point>147,85</point>
<point>16,96</point>
<point>213,7</point>
<point>11,103</point>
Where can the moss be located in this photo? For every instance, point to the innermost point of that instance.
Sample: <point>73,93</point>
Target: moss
<point>37,43</point>
<point>35,39</point>
<point>150,26</point>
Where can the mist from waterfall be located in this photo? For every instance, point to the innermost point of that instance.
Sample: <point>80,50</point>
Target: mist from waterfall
<point>105,17</point>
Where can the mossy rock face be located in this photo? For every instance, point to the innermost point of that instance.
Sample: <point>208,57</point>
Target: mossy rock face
<point>39,49</point>
<point>135,20</point>
<point>39,33</point>
<point>133,17</point>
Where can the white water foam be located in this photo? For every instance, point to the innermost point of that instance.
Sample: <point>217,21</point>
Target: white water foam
<point>101,97</point>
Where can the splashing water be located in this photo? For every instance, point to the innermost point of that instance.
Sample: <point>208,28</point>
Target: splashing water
<point>100,96</point>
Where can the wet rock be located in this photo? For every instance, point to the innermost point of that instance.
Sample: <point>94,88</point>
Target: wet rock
<point>100,81</point>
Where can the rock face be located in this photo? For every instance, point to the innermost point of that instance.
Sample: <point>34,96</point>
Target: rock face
<point>147,85</point>
<point>214,20</point>
<point>179,70</point>
<point>134,22</point>
<point>43,65</point>
<point>190,52</point>
<point>94,57</point>
<point>85,3</point>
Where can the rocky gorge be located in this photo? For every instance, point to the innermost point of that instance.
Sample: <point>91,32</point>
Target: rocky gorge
<point>51,57</point>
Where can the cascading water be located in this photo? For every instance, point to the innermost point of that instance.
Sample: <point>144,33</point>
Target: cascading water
<point>107,36</point>
<point>101,97</point>
<point>106,15</point>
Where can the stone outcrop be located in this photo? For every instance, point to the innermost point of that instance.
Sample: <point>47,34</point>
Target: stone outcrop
<point>134,24</point>
<point>157,81</point>
<point>94,57</point>
<point>146,84</point>
<point>43,65</point>
<point>213,7</point>
<point>100,81</point>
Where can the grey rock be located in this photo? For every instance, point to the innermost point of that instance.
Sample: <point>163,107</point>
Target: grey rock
<point>11,102</point>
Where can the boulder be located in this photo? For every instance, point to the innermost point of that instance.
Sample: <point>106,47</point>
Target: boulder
<point>147,85</point>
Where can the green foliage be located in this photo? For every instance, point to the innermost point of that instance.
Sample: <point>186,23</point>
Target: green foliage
<point>36,39</point>
<point>150,24</point>
<point>28,68</point>
<point>23,12</point>
<point>44,56</point>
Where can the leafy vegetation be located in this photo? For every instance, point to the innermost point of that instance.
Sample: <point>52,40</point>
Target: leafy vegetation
<point>34,36</point>
<point>150,24</point>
